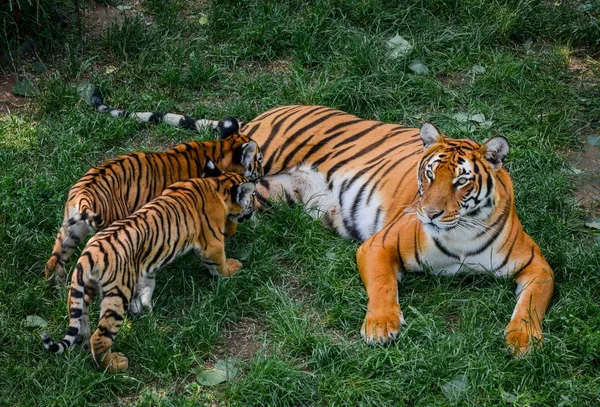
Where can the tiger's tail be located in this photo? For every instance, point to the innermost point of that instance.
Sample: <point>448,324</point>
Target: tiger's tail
<point>177,120</point>
<point>71,233</point>
<point>80,296</point>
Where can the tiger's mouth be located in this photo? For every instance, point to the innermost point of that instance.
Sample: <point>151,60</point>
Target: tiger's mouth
<point>241,217</point>
<point>438,225</point>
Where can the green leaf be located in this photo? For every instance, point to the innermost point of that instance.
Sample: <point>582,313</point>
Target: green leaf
<point>509,398</point>
<point>593,223</point>
<point>461,117</point>
<point>33,321</point>
<point>123,8</point>
<point>85,90</point>
<point>418,67</point>
<point>224,370</point>
<point>477,118</point>
<point>477,69</point>
<point>398,46</point>
<point>593,140</point>
<point>39,67</point>
<point>25,88</point>
<point>455,387</point>
<point>203,20</point>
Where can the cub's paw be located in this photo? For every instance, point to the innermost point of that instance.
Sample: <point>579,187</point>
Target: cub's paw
<point>233,266</point>
<point>381,328</point>
<point>115,362</point>
<point>520,341</point>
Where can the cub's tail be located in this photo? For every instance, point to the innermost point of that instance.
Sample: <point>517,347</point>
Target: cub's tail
<point>79,299</point>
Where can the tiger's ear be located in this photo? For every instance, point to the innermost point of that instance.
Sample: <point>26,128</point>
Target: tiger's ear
<point>243,193</point>
<point>430,134</point>
<point>228,127</point>
<point>210,170</point>
<point>494,151</point>
<point>246,152</point>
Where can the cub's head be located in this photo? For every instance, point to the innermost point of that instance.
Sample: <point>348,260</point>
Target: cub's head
<point>239,196</point>
<point>457,180</point>
<point>240,153</point>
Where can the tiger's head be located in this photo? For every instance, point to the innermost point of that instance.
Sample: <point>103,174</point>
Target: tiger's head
<point>457,180</point>
<point>246,157</point>
<point>239,197</point>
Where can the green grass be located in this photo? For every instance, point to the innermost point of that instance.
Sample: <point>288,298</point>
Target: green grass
<point>299,284</point>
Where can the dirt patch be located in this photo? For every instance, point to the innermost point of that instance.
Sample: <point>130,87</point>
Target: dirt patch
<point>241,340</point>
<point>97,17</point>
<point>587,179</point>
<point>453,79</point>
<point>8,102</point>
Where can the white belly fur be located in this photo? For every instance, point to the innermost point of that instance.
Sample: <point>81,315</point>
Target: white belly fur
<point>309,187</point>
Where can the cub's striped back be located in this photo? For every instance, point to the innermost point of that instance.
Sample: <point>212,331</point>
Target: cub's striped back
<point>116,188</point>
<point>120,262</point>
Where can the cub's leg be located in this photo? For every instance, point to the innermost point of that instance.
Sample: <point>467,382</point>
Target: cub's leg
<point>535,285</point>
<point>230,228</point>
<point>67,240</point>
<point>111,319</point>
<point>216,262</point>
<point>378,267</point>
<point>143,297</point>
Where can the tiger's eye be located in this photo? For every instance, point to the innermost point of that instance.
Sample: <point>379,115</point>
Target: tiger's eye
<point>461,182</point>
<point>429,174</point>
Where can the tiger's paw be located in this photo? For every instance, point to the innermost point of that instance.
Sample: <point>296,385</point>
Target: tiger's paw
<point>381,328</point>
<point>520,341</point>
<point>115,362</point>
<point>233,266</point>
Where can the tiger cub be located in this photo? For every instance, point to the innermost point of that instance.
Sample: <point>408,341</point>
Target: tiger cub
<point>115,189</point>
<point>121,260</point>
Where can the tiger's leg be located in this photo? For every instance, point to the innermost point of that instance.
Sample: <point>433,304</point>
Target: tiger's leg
<point>378,267</point>
<point>277,187</point>
<point>215,260</point>
<point>535,285</point>
<point>111,319</point>
<point>147,291</point>
<point>66,242</point>
<point>230,228</point>
<point>86,332</point>
<point>143,297</point>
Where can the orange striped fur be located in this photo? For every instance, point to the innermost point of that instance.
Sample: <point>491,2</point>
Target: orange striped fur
<point>116,188</point>
<point>120,262</point>
<point>418,201</point>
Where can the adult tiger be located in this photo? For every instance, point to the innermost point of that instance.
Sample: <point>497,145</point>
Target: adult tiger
<point>116,188</point>
<point>121,260</point>
<point>416,199</point>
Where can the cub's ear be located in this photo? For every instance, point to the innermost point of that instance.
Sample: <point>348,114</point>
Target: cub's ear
<point>245,153</point>
<point>494,151</point>
<point>243,193</point>
<point>430,134</point>
<point>210,169</point>
<point>228,127</point>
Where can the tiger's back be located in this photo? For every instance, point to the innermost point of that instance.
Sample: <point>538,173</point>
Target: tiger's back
<point>354,159</point>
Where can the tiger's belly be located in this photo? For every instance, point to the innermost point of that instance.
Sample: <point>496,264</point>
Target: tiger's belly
<point>346,204</point>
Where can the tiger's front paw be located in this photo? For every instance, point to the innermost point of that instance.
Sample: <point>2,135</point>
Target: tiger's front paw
<point>520,340</point>
<point>381,327</point>
<point>233,266</point>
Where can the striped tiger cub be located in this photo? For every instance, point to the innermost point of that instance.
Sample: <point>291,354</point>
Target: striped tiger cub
<point>116,188</point>
<point>416,199</point>
<point>120,262</point>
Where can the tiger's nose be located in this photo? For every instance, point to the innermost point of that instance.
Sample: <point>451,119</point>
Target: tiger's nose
<point>432,213</point>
